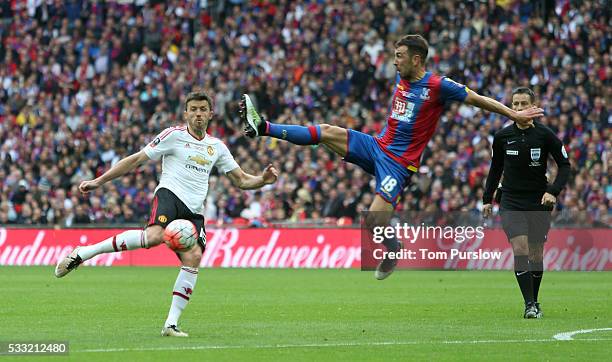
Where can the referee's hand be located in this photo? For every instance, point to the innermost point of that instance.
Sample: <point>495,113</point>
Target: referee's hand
<point>487,210</point>
<point>548,199</point>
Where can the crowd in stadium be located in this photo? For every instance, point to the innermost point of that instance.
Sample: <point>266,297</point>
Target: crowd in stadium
<point>83,84</point>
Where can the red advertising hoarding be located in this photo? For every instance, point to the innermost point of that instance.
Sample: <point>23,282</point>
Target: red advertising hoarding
<point>567,249</point>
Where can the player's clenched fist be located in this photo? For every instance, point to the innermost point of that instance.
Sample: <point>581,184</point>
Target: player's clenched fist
<point>87,186</point>
<point>270,174</point>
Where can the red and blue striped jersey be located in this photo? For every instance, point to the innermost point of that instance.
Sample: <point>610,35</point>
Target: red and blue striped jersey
<point>414,113</point>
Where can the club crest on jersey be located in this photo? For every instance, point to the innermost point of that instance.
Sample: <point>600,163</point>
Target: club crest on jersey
<point>162,218</point>
<point>425,94</point>
<point>210,150</point>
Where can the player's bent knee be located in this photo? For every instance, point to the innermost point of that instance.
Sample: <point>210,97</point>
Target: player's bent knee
<point>377,218</point>
<point>332,133</point>
<point>373,219</point>
<point>381,210</point>
<point>335,138</point>
<point>325,129</point>
<point>155,235</point>
<point>192,257</point>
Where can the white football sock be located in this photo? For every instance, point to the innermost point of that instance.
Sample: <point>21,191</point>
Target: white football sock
<point>127,240</point>
<point>183,287</point>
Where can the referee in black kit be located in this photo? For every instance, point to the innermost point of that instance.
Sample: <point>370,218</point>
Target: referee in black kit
<point>520,152</point>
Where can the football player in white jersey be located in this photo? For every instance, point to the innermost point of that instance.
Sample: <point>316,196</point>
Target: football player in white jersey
<point>188,154</point>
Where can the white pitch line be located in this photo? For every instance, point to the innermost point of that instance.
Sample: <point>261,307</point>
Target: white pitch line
<point>324,345</point>
<point>567,336</point>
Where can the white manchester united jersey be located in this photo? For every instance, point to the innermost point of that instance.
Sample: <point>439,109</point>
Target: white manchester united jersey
<point>187,162</point>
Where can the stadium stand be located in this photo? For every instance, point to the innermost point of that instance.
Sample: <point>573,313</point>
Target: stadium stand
<point>83,84</point>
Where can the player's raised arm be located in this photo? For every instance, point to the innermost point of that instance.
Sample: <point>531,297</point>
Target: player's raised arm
<point>492,105</point>
<point>119,169</point>
<point>247,181</point>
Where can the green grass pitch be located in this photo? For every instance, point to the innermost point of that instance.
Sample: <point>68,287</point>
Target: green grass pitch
<point>312,315</point>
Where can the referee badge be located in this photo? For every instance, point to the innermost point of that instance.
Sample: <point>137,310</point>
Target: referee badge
<point>535,154</point>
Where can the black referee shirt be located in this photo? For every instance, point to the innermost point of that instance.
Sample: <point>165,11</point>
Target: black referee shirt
<point>521,155</point>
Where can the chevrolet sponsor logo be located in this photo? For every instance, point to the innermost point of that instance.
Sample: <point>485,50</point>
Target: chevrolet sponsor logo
<point>199,160</point>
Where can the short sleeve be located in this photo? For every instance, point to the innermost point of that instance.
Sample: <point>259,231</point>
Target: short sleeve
<point>452,91</point>
<point>161,145</point>
<point>225,163</point>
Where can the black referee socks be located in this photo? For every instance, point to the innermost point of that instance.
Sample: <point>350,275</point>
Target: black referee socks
<point>523,277</point>
<point>537,270</point>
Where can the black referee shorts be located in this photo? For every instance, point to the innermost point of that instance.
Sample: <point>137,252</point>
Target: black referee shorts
<point>523,214</point>
<point>166,207</point>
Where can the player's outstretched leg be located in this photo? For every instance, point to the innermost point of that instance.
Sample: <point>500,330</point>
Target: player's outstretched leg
<point>182,291</point>
<point>334,137</point>
<point>69,263</point>
<point>127,240</point>
<point>255,126</point>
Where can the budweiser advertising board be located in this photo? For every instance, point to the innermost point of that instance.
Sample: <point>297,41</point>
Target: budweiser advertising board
<point>567,249</point>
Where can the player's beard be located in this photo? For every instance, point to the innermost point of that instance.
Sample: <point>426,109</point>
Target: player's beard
<point>404,74</point>
<point>199,128</point>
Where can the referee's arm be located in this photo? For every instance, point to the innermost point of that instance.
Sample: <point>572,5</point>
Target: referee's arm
<point>563,164</point>
<point>495,172</point>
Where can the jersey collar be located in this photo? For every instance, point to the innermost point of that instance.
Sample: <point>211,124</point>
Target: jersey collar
<point>420,80</point>
<point>526,130</point>
<point>194,137</point>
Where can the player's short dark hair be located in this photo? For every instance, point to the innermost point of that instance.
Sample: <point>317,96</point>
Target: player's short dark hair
<point>525,90</point>
<point>415,43</point>
<point>198,96</point>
